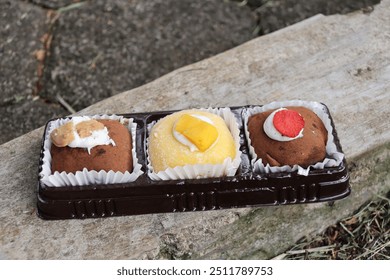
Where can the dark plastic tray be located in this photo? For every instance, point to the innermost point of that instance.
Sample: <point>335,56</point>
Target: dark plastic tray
<point>144,195</point>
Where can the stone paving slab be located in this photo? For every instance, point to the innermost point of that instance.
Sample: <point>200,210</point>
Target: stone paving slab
<point>333,60</point>
<point>100,48</point>
<point>54,4</point>
<point>274,15</point>
<point>21,116</point>
<point>21,28</point>
<point>105,47</point>
<point>21,25</point>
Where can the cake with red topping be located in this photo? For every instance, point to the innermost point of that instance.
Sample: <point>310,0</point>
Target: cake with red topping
<point>83,142</point>
<point>288,136</point>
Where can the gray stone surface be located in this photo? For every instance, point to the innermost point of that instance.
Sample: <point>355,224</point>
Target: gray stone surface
<point>54,4</point>
<point>105,47</point>
<point>101,48</point>
<point>80,69</point>
<point>276,14</point>
<point>22,116</point>
<point>21,27</point>
<point>333,60</point>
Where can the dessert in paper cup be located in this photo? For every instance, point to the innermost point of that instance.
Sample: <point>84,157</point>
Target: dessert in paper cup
<point>194,144</point>
<point>90,150</point>
<point>289,136</point>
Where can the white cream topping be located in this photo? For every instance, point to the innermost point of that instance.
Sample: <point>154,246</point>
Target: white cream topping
<point>203,118</point>
<point>182,139</point>
<point>273,133</point>
<point>98,137</point>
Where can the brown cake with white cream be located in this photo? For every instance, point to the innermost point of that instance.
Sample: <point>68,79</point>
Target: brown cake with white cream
<point>288,136</point>
<point>92,144</point>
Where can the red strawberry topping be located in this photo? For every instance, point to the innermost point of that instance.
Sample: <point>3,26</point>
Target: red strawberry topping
<point>288,122</point>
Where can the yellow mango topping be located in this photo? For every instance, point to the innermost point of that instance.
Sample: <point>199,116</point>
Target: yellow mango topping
<point>200,133</point>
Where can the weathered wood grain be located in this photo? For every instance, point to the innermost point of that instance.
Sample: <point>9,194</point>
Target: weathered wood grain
<point>342,61</point>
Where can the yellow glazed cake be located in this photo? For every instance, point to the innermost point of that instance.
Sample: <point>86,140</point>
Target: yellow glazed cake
<point>190,137</point>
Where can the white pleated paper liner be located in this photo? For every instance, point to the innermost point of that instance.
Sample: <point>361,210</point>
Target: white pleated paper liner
<point>197,171</point>
<point>333,157</point>
<point>87,177</point>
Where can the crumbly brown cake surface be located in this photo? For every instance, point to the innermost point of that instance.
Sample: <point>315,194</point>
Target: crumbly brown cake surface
<point>102,157</point>
<point>305,151</point>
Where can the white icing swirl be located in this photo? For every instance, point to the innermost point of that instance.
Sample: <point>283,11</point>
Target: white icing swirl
<point>184,140</point>
<point>273,133</point>
<point>98,137</point>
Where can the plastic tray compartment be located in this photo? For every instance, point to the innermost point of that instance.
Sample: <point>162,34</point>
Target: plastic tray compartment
<point>245,189</point>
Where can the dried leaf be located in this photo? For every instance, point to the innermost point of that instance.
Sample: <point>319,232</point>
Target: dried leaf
<point>351,221</point>
<point>40,55</point>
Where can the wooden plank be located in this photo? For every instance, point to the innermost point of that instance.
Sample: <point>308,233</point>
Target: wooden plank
<point>342,61</point>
